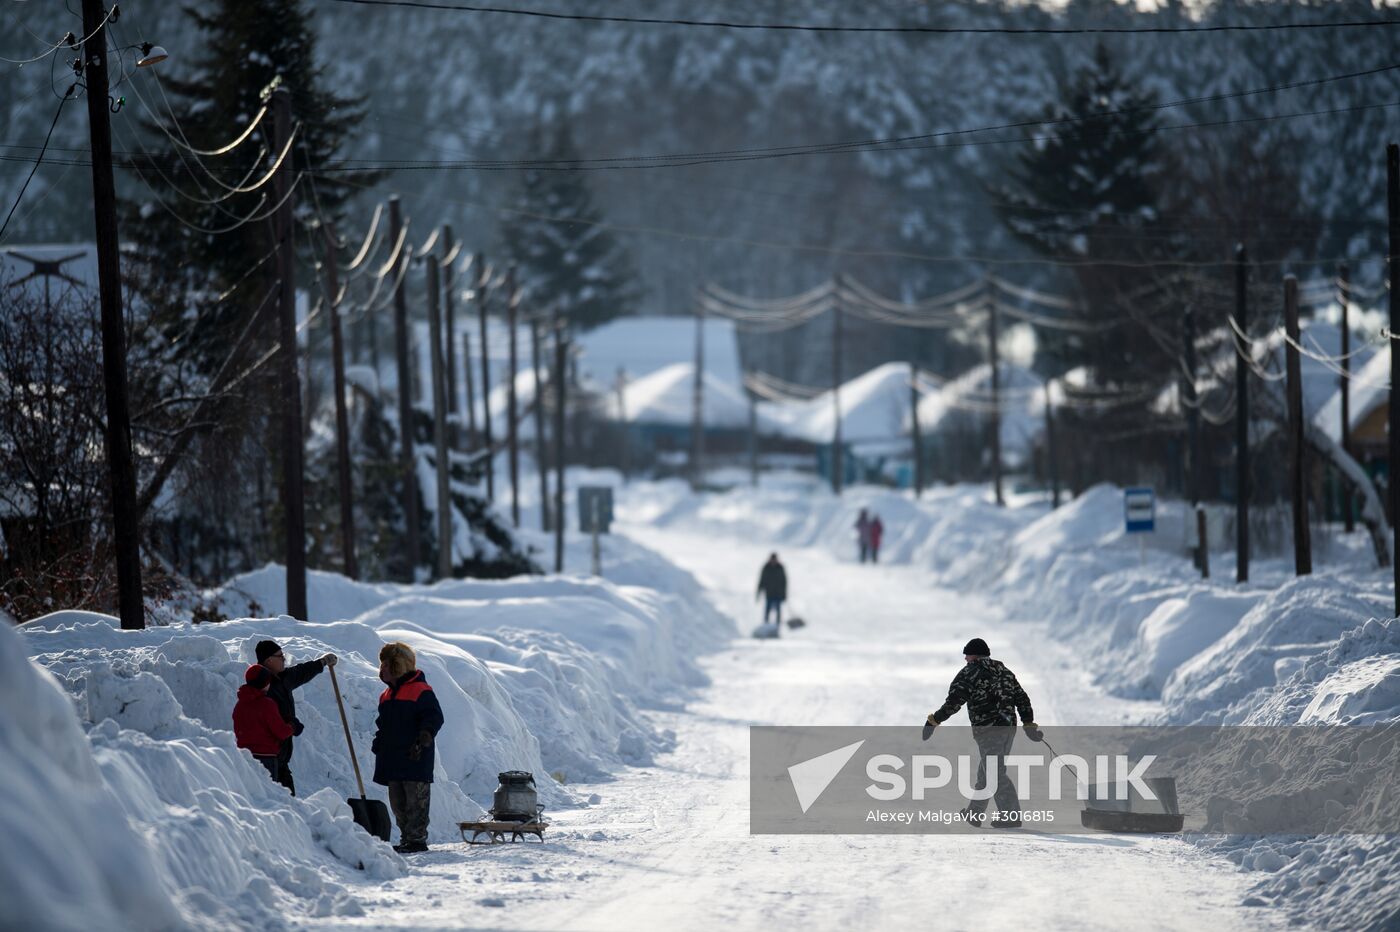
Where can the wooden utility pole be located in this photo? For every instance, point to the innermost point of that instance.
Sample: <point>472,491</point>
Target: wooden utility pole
<point>994,357</point>
<point>1298,468</point>
<point>467,377</point>
<point>408,472</point>
<point>1052,459</point>
<point>1344,286</point>
<point>1392,173</point>
<point>342,417</point>
<point>753,440</point>
<point>561,378</point>
<point>1242,360</point>
<point>624,454</point>
<point>541,455</point>
<point>916,435</point>
<point>449,315</point>
<point>440,446</point>
<point>1191,402</point>
<point>697,403</point>
<point>513,428</point>
<point>121,467</point>
<point>482,279</point>
<point>838,459</point>
<point>293,453</point>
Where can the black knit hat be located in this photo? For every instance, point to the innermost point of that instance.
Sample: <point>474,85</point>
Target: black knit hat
<point>257,676</point>
<point>977,648</point>
<point>266,649</point>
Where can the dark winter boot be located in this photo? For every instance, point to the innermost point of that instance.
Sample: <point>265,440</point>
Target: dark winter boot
<point>411,847</point>
<point>998,821</point>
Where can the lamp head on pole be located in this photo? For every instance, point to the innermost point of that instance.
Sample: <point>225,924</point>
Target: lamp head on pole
<point>151,55</point>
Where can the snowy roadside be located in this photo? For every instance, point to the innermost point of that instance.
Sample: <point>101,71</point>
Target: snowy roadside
<point>1277,651</point>
<point>164,823</point>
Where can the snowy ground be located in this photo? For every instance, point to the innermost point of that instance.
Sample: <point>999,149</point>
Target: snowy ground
<point>638,691</point>
<point>668,846</point>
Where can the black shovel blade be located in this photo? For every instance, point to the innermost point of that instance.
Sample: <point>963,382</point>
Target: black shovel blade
<point>373,816</point>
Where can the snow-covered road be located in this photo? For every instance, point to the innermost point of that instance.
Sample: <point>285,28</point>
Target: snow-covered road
<point>668,846</point>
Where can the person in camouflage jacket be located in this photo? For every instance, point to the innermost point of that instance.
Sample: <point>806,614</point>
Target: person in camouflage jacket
<point>994,698</point>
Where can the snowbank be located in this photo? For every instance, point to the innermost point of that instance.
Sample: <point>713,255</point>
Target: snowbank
<point>545,675</point>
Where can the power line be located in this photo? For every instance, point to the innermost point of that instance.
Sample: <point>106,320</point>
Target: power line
<point>25,187</point>
<point>837,28</point>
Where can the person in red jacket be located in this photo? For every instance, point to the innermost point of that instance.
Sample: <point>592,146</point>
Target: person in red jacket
<point>257,723</point>
<point>875,532</point>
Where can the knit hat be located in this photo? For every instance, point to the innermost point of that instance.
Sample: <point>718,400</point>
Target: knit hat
<point>266,649</point>
<point>257,676</point>
<point>977,648</point>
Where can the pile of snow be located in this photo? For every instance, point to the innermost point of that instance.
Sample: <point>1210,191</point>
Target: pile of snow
<point>874,409</point>
<point>544,675</point>
<point>962,404</point>
<point>667,397</point>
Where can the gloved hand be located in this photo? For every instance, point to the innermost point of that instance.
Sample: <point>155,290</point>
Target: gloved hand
<point>425,741</point>
<point>374,745</point>
<point>297,727</point>
<point>929,726</point>
<point>1033,731</point>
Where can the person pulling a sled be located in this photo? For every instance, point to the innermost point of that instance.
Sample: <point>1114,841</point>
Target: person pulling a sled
<point>404,742</point>
<point>994,698</point>
<point>772,583</point>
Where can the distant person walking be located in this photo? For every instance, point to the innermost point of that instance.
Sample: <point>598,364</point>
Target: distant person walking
<point>772,583</point>
<point>875,532</point>
<point>993,697</point>
<point>257,724</point>
<point>863,535</point>
<point>284,680</point>
<point>404,743</point>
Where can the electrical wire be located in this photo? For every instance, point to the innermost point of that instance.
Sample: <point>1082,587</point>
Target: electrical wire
<point>37,162</point>
<point>62,42</point>
<point>926,30</point>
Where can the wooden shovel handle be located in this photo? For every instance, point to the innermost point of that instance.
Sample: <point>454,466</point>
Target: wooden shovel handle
<point>345,723</point>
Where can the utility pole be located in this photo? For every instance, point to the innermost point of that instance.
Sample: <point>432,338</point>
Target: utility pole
<point>753,440</point>
<point>440,454</point>
<point>512,309</point>
<point>561,361</point>
<point>838,459</point>
<point>449,316</point>
<point>916,435</point>
<point>697,403</point>
<point>482,278</point>
<point>121,467</point>
<point>1344,284</point>
<point>293,453</point>
<point>1242,359</point>
<point>467,377</point>
<point>624,454</point>
<point>1392,173</point>
<point>1302,542</point>
<point>408,473</point>
<point>541,454</point>
<point>342,418</point>
<point>1193,434</point>
<point>1052,460</point>
<point>993,355</point>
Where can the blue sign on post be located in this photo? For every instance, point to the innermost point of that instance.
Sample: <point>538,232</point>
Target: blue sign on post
<point>1139,510</point>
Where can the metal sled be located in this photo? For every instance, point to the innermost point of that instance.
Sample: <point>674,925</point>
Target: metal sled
<point>496,832</point>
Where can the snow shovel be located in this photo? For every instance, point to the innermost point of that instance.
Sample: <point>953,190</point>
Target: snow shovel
<point>370,814</point>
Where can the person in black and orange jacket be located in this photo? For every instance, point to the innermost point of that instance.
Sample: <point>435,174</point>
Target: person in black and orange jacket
<point>409,720</point>
<point>257,724</point>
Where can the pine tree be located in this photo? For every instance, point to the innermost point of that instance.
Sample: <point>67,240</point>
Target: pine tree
<point>566,258</point>
<point>1091,192</point>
